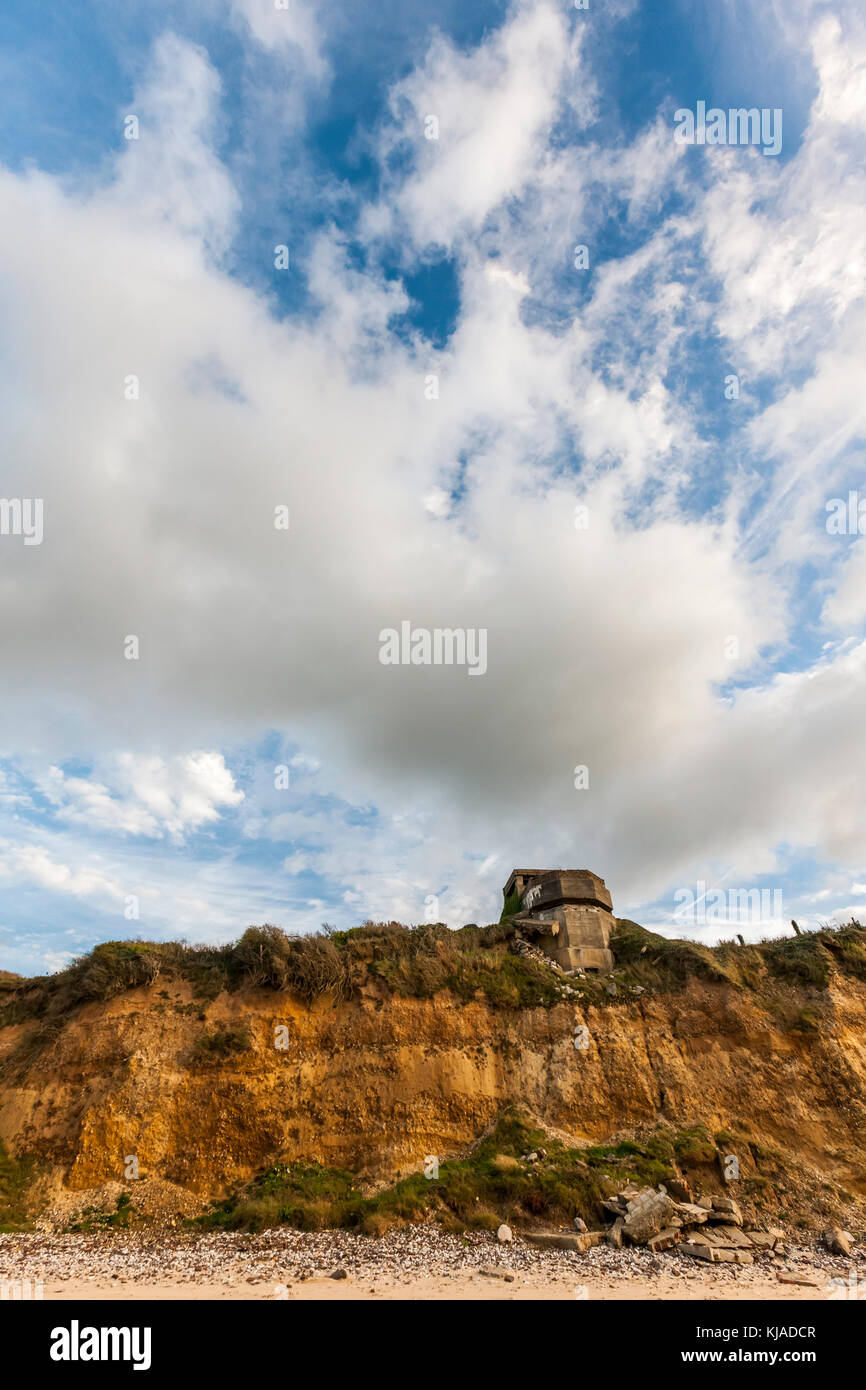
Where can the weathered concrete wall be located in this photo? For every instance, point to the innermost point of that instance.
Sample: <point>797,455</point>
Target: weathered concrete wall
<point>580,904</point>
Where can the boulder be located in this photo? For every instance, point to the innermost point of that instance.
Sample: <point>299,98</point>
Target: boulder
<point>679,1189</point>
<point>691,1214</point>
<point>721,1238</point>
<point>648,1213</point>
<point>504,1236</point>
<point>731,1236</point>
<point>699,1250</point>
<point>614,1235</point>
<point>837,1241</point>
<point>763,1240</point>
<point>725,1209</point>
<point>716,1255</point>
<point>580,1224</point>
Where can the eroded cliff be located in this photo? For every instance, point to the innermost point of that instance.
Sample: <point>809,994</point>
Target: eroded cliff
<point>207,1092</point>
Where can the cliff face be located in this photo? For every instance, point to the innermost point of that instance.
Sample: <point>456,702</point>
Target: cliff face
<point>376,1084</point>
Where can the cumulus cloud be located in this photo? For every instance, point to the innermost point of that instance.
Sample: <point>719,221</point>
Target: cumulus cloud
<point>609,641</point>
<point>478,120</point>
<point>149,795</point>
<point>31,864</point>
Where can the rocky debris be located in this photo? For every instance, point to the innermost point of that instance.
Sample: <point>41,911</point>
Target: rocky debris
<point>690,1214</point>
<point>763,1240</point>
<point>273,1260</point>
<point>679,1189</point>
<point>648,1213</point>
<point>619,1204</point>
<point>837,1241</point>
<point>727,1210</point>
<point>490,1272</point>
<point>665,1240</point>
<point>504,1235</point>
<point>523,948</point>
<point>786,1277</point>
<point>716,1254</point>
<point>709,1229</point>
<point>338,1274</point>
<point>730,1236</point>
<point>614,1234</point>
<point>553,1240</point>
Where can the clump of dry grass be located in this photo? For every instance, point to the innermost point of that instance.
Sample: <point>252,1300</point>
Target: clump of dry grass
<point>504,1163</point>
<point>308,966</point>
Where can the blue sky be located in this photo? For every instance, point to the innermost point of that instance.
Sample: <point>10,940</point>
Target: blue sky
<point>699,646</point>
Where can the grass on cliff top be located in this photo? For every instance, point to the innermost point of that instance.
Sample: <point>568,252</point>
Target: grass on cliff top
<point>416,961</point>
<point>495,1183</point>
<point>474,962</point>
<point>806,960</point>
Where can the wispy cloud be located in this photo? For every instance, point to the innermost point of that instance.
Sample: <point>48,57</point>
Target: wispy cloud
<point>569,469</point>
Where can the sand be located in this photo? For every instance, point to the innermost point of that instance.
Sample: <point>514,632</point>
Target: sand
<point>461,1287</point>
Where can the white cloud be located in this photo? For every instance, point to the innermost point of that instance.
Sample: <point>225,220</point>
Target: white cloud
<point>493,108</point>
<point>150,795</point>
<point>33,865</point>
<point>170,173</point>
<point>606,645</point>
<point>846,607</point>
<point>293,25</point>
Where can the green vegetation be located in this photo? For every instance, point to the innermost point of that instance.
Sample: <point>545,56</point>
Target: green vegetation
<point>807,960</point>
<point>92,1219</point>
<point>494,1183</point>
<point>475,962</point>
<point>511,906</point>
<point>654,960</point>
<point>15,1176</point>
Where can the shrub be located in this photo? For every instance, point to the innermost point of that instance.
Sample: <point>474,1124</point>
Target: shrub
<point>222,1043</point>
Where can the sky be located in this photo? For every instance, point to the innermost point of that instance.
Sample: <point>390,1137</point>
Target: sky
<point>317,320</point>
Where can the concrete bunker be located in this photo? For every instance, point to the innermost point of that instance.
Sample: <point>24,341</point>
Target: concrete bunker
<point>567,913</point>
